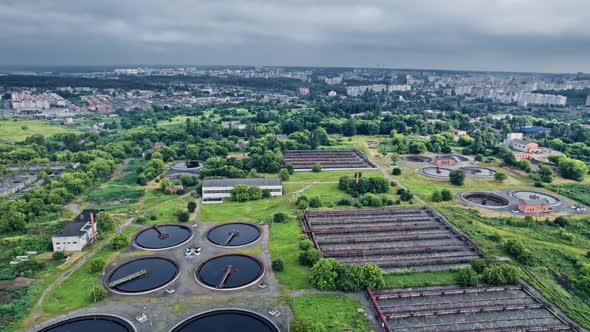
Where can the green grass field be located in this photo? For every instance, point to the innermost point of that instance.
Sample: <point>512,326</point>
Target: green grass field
<point>15,131</point>
<point>284,244</point>
<point>109,193</point>
<point>420,279</point>
<point>335,312</point>
<point>575,191</point>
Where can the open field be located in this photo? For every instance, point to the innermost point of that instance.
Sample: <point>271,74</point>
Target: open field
<point>15,131</point>
<point>335,312</point>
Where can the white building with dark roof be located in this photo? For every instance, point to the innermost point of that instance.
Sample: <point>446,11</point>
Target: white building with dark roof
<point>79,232</point>
<point>215,190</point>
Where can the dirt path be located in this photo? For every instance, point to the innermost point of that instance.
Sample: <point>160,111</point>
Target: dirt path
<point>74,207</point>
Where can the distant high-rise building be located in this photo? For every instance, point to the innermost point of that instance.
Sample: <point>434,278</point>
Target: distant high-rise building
<point>588,101</point>
<point>303,91</point>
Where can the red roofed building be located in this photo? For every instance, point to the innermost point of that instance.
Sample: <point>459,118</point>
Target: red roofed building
<point>533,205</point>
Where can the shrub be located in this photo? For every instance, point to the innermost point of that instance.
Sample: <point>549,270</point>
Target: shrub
<point>501,274</point>
<point>500,177</point>
<point>315,202</point>
<point>457,177</point>
<point>371,200</point>
<point>284,174</point>
<point>345,202</point>
<point>517,250</point>
<point>302,202</point>
<point>97,265</point>
<point>29,268</point>
<point>280,217</point>
<point>446,195</point>
<point>140,220</point>
<point>406,196</point>
<point>304,324</point>
<point>479,265</point>
<point>58,256</point>
<point>183,216</point>
<point>309,257</point>
<point>120,241</point>
<point>277,265</point>
<point>7,273</point>
<point>396,171</point>
<point>561,221</point>
<point>266,193</point>
<point>316,168</point>
<point>191,206</point>
<point>305,244</point>
<point>97,293</point>
<point>324,273</point>
<point>436,196</point>
<point>467,277</point>
<point>242,193</point>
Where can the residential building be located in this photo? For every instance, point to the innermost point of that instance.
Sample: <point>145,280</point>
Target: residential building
<point>535,130</point>
<point>522,155</point>
<point>215,190</point>
<point>159,145</point>
<point>79,232</point>
<point>524,146</point>
<point>236,124</point>
<point>525,99</point>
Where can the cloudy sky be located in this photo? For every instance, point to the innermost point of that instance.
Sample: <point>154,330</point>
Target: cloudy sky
<point>511,35</point>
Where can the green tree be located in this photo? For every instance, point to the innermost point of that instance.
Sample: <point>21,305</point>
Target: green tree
<point>97,265</point>
<point>284,174</point>
<point>545,174</point>
<point>309,257</point>
<point>315,202</point>
<point>316,168</point>
<point>324,273</point>
<point>446,195</point>
<point>97,294</point>
<point>573,169</point>
<point>304,324</point>
<point>183,216</point>
<point>302,202</point>
<point>105,222</point>
<point>457,177</point>
<point>396,171</point>
<point>436,196</point>
<point>120,241</point>
<point>467,277</point>
<point>191,206</point>
<point>349,128</point>
<point>277,265</point>
<point>501,274</point>
<point>500,177</point>
<point>280,217</point>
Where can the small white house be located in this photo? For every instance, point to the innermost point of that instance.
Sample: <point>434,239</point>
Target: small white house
<point>215,190</point>
<point>79,232</point>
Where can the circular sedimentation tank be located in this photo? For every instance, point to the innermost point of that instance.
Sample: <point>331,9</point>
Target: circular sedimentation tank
<point>160,237</point>
<point>459,158</point>
<point>228,272</point>
<point>91,323</point>
<point>529,194</point>
<point>478,172</point>
<point>187,165</point>
<point>484,199</point>
<point>234,234</point>
<point>436,172</point>
<point>227,320</point>
<point>417,159</point>
<point>142,275</point>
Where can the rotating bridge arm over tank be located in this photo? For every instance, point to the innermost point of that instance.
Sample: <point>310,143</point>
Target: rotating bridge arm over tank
<point>230,237</point>
<point>228,270</point>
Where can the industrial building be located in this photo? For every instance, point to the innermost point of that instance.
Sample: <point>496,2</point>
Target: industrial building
<point>215,190</point>
<point>79,232</point>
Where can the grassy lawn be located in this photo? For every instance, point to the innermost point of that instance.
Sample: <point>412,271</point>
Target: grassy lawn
<point>253,211</point>
<point>329,176</point>
<point>18,130</point>
<point>284,244</point>
<point>335,312</point>
<point>74,292</point>
<point>420,279</point>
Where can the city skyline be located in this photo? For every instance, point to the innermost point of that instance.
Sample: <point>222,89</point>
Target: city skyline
<point>521,36</point>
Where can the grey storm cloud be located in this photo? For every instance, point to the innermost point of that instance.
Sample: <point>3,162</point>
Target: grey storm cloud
<point>521,35</point>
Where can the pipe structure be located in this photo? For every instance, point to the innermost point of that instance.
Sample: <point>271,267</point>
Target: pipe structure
<point>228,270</point>
<point>93,225</point>
<point>378,310</point>
<point>230,237</point>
